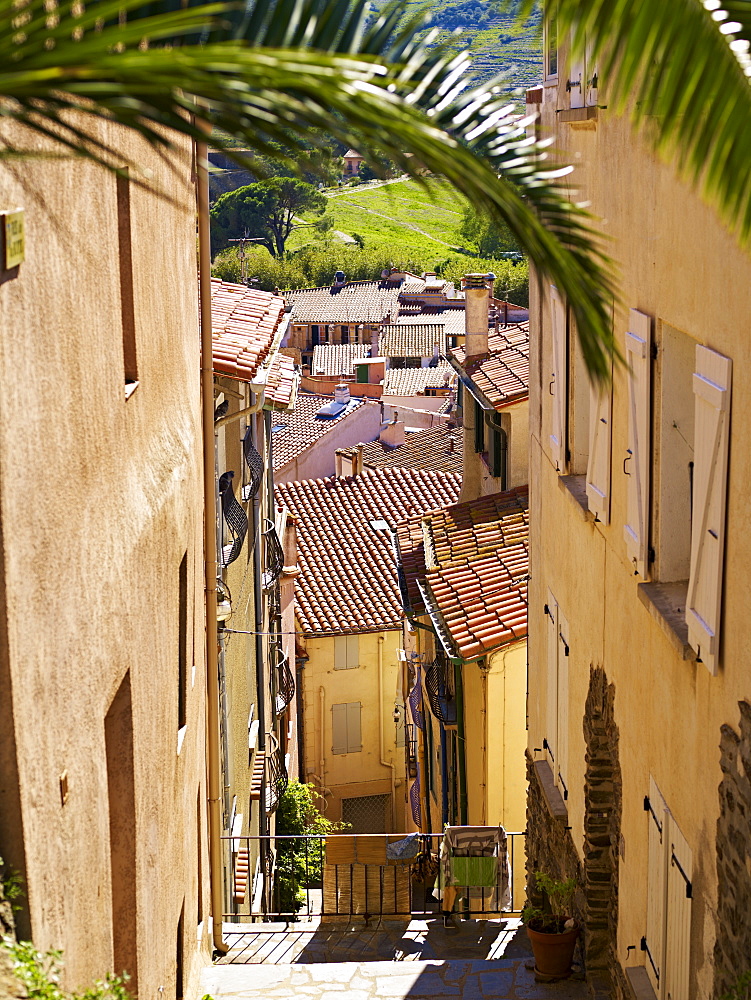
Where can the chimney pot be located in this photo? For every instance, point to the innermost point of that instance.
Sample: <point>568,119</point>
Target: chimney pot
<point>477,304</point>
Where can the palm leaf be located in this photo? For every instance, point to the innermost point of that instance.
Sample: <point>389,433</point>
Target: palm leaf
<point>682,70</point>
<point>392,96</point>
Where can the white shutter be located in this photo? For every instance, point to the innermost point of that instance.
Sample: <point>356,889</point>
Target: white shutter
<point>638,456</point>
<point>577,79</point>
<point>598,465</point>
<point>354,738</point>
<point>339,728</point>
<point>592,81</point>
<point>551,715</point>
<point>678,927</point>
<point>655,937</point>
<point>558,384</point>
<point>562,773</point>
<point>712,381</point>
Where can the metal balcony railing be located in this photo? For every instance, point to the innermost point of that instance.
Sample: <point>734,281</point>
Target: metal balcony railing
<point>254,464</point>
<point>348,875</point>
<point>277,778</point>
<point>440,698</point>
<point>410,749</point>
<point>285,682</point>
<point>234,517</point>
<point>273,555</point>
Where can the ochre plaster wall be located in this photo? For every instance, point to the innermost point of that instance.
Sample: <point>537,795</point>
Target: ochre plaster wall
<point>680,266</point>
<point>99,499</point>
<point>350,775</point>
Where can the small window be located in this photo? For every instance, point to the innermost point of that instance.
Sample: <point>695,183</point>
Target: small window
<point>345,725</point>
<point>182,653</point>
<point>125,260</point>
<point>550,47</point>
<point>479,428</point>
<point>346,652</point>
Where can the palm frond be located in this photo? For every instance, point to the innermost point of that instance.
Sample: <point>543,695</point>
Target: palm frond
<point>408,100</point>
<point>682,68</point>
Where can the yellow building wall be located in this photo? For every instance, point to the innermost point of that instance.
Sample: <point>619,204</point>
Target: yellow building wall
<point>680,266</point>
<point>350,775</point>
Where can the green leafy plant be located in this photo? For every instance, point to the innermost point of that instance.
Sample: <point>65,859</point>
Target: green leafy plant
<point>39,972</point>
<point>12,886</point>
<point>558,894</point>
<point>740,990</point>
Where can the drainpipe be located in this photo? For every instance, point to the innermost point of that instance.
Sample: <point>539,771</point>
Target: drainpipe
<point>209,544</point>
<point>385,763</point>
<point>322,758</point>
<point>484,687</point>
<point>460,744</point>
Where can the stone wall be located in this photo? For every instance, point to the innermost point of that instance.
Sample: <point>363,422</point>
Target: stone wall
<point>550,846</point>
<point>732,951</point>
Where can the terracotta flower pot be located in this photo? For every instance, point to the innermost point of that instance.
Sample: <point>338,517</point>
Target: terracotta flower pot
<point>553,952</point>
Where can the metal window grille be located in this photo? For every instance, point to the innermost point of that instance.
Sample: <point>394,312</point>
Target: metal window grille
<point>274,555</point>
<point>234,517</point>
<point>254,464</point>
<point>285,682</point>
<point>437,687</point>
<point>277,778</point>
<point>367,813</point>
<point>410,749</point>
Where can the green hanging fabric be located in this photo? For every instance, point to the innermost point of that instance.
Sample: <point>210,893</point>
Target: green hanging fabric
<point>475,872</point>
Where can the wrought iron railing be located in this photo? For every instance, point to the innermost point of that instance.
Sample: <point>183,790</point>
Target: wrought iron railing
<point>352,881</point>
<point>234,517</point>
<point>254,464</point>
<point>277,778</point>
<point>410,749</point>
<point>273,555</point>
<point>440,698</point>
<point>285,682</point>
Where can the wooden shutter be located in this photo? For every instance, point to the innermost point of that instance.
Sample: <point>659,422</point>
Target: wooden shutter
<point>678,924</point>
<point>638,455</point>
<point>562,773</point>
<point>598,465</point>
<point>354,737</point>
<point>339,728</point>
<point>590,98</point>
<point>577,80</point>
<point>551,715</point>
<point>654,939</point>
<point>353,651</point>
<point>712,380</point>
<point>340,652</point>
<point>479,428</point>
<point>559,381</point>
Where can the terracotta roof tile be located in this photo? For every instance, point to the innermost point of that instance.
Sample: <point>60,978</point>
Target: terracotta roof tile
<point>438,449</point>
<point>244,323</point>
<point>295,431</point>
<point>502,376</point>
<point>348,578</point>
<point>460,533</point>
<point>337,359</point>
<point>412,340</point>
<point>352,302</point>
<point>283,380</point>
<point>414,381</point>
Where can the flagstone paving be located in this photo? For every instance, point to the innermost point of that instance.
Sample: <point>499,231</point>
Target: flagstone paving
<point>480,960</point>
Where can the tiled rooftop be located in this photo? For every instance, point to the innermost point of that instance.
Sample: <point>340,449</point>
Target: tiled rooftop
<point>244,323</point>
<point>337,359</point>
<point>282,382</point>
<point>411,340</point>
<point>348,580</point>
<point>502,376</point>
<point>352,302</point>
<point>414,381</point>
<point>467,564</point>
<point>300,428</point>
<point>438,449</point>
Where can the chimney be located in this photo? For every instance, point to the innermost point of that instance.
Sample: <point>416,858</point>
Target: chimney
<point>358,459</point>
<point>346,462</point>
<point>393,434</point>
<point>341,393</point>
<point>290,545</point>
<point>477,302</point>
<point>375,339</point>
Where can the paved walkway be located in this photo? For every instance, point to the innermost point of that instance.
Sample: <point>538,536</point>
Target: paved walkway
<point>277,965</point>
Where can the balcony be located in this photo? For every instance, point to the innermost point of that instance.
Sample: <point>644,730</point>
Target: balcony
<point>235,519</point>
<point>254,464</point>
<point>438,690</point>
<point>276,775</point>
<point>273,555</point>
<point>285,681</point>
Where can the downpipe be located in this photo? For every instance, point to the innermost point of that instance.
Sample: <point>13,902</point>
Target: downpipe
<point>385,763</point>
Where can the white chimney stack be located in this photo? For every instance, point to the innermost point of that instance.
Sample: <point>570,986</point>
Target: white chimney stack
<point>477,304</point>
<point>341,393</point>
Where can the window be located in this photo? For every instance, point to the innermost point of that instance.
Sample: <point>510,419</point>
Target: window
<point>479,427</point>
<point>712,383</point>
<point>367,813</point>
<point>125,259</point>
<point>558,385</point>
<point>315,335</point>
<point>599,451</point>
<point>667,941</point>
<point>550,48</point>
<point>346,652</point>
<point>345,726</point>
<point>556,738</point>
<point>637,461</point>
<point>345,334</point>
<point>497,448</point>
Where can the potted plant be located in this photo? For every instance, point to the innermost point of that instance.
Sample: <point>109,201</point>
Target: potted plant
<point>551,929</point>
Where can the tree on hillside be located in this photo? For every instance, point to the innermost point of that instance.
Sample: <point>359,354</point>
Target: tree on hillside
<point>269,71</point>
<point>490,237</point>
<point>265,211</point>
